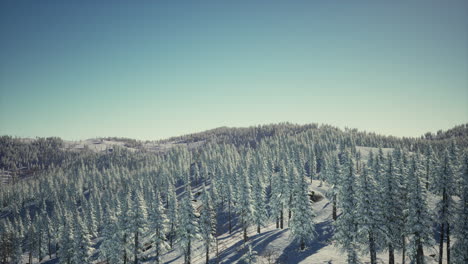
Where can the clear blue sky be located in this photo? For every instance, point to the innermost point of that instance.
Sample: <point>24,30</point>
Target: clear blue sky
<point>154,69</point>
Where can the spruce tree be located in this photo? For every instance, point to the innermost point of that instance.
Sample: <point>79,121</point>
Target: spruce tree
<point>369,214</point>
<point>302,220</point>
<point>158,227</point>
<point>392,207</point>
<point>278,196</point>
<point>109,250</point>
<point>346,223</point>
<point>172,214</point>
<point>460,247</point>
<point>245,204</point>
<point>444,186</point>
<point>259,203</point>
<point>188,228</point>
<point>207,222</point>
<point>138,223</point>
<point>419,221</point>
<point>82,241</point>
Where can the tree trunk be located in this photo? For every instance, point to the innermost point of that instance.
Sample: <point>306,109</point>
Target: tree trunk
<point>277,222</point>
<point>281,218</point>
<point>245,233</point>
<point>448,243</point>
<point>441,243</point>
<point>334,207</point>
<point>258,229</point>
<point>49,247</point>
<point>136,249</point>
<point>157,245</point>
<point>171,236</point>
<point>30,257</point>
<point>39,247</point>
<point>302,244</point>
<point>217,249</point>
<point>229,217</point>
<point>372,250</point>
<point>403,253</point>
<point>207,254</point>
<point>189,252</point>
<point>391,255</point>
<point>125,250</point>
<point>419,252</point>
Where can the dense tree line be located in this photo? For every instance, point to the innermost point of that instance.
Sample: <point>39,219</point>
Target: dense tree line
<point>140,204</point>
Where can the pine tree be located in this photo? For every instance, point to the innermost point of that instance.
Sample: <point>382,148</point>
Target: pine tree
<point>259,204</point>
<point>245,204</point>
<point>91,220</point>
<point>302,220</point>
<point>334,178</point>
<point>445,187</point>
<point>124,216</point>
<point>82,241</point>
<point>67,237</point>
<point>158,227</point>
<point>278,196</point>
<point>312,165</point>
<point>188,229</point>
<point>346,223</point>
<point>109,250</point>
<point>460,247</point>
<point>290,186</point>
<point>430,167</point>
<point>418,223</point>
<point>6,241</point>
<point>207,222</point>
<point>138,223</point>
<point>392,207</point>
<point>172,214</point>
<point>369,214</point>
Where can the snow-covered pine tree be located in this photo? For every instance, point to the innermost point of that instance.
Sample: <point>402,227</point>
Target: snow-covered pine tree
<point>109,250</point>
<point>293,177</point>
<point>207,222</point>
<point>172,214</point>
<point>392,207</point>
<point>418,225</point>
<point>91,221</point>
<point>460,247</point>
<point>245,204</point>
<point>346,223</point>
<point>188,228</point>
<point>259,203</point>
<point>66,248</point>
<point>138,223</point>
<point>6,241</point>
<point>82,241</point>
<point>312,165</point>
<point>158,227</point>
<point>444,186</point>
<point>401,163</point>
<point>369,214</point>
<point>430,168</point>
<point>278,196</point>
<point>334,178</point>
<point>302,220</point>
<point>124,226</point>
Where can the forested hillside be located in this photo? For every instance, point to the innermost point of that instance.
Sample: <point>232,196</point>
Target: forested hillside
<point>318,193</point>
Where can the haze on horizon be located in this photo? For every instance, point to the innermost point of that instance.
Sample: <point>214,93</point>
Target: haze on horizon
<point>160,69</point>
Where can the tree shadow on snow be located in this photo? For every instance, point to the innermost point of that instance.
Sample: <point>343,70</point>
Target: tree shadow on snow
<point>292,254</point>
<point>259,243</point>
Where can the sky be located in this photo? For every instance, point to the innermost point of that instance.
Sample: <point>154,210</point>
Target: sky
<point>155,69</point>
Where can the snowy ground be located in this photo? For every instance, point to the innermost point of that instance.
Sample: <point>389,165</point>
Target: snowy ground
<point>101,145</point>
